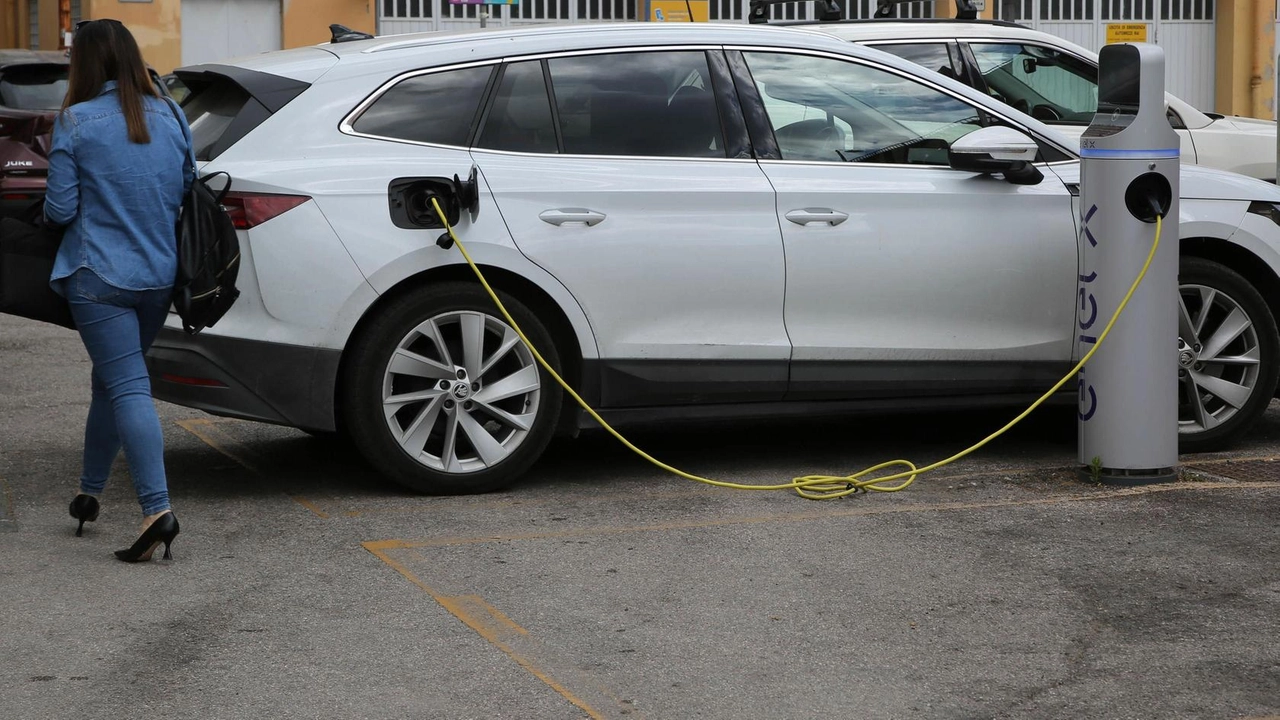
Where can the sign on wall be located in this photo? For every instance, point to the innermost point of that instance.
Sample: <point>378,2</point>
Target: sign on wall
<point>1126,32</point>
<point>679,11</point>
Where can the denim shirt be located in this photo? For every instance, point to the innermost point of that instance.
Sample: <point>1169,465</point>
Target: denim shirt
<point>118,199</point>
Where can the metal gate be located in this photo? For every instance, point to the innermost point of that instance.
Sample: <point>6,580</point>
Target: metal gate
<point>1184,28</point>
<point>403,16</point>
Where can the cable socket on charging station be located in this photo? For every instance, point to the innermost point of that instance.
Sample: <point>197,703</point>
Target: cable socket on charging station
<point>1148,197</point>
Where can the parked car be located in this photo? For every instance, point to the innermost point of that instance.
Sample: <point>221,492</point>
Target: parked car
<point>1054,81</point>
<point>32,86</point>
<point>689,221</point>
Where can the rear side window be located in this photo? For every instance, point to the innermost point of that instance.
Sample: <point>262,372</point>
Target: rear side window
<point>210,112</point>
<point>931,55</point>
<point>33,87</point>
<point>520,119</point>
<point>437,108</point>
<point>225,103</point>
<point>651,103</point>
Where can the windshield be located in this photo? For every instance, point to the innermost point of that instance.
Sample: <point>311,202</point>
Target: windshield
<point>33,87</point>
<point>1048,85</point>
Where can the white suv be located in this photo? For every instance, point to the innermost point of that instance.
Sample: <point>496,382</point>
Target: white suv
<point>690,221</point>
<point>1055,81</point>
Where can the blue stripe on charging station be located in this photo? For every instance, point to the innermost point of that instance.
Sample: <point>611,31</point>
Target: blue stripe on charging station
<point>1131,154</point>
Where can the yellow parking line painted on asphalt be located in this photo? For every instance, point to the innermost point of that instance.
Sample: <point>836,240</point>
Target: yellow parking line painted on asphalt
<point>206,430</point>
<point>464,608</point>
<point>859,512</point>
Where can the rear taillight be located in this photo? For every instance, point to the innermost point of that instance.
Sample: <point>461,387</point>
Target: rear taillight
<point>249,210</point>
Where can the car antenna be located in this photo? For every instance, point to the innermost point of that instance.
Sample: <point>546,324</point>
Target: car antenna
<point>342,33</point>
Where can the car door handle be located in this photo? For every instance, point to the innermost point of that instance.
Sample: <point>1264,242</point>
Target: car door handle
<point>575,216</point>
<point>813,216</point>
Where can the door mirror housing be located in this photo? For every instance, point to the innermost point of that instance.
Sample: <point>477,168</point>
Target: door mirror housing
<point>997,150</point>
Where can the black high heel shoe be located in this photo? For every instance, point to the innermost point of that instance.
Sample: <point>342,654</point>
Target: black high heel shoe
<point>163,530</point>
<point>85,509</point>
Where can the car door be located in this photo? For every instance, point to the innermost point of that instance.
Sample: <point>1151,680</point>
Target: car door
<point>628,176</point>
<point>906,277</point>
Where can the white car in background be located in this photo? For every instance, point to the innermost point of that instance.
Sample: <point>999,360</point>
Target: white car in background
<point>1054,81</point>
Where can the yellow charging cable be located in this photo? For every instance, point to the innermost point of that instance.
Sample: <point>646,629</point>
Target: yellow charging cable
<point>812,487</point>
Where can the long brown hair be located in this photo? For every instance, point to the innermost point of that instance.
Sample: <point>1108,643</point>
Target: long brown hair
<point>104,50</point>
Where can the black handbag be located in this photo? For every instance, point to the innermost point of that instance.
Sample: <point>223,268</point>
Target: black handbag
<point>28,246</point>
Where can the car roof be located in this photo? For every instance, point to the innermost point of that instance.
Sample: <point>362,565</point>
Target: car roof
<point>32,57</point>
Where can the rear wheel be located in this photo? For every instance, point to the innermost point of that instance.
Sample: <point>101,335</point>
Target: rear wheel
<point>1227,355</point>
<point>443,397</point>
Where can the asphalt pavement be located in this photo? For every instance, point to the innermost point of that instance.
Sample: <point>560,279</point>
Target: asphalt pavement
<point>304,586</point>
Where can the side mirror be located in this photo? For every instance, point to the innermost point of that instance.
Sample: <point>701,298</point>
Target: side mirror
<point>997,150</point>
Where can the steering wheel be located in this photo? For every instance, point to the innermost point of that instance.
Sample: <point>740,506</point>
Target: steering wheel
<point>1045,113</point>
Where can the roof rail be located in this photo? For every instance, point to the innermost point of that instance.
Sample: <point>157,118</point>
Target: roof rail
<point>828,10</point>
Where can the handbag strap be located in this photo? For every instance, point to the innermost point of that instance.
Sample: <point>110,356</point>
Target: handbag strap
<point>191,152</point>
<point>190,163</point>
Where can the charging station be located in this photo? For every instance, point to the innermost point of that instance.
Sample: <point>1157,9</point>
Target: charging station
<point>1129,172</point>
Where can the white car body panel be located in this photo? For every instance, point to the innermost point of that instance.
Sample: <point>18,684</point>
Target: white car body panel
<point>657,278</point>
<point>863,289</point>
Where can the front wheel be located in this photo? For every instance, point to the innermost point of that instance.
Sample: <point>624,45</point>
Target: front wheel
<point>1227,355</point>
<point>443,397</point>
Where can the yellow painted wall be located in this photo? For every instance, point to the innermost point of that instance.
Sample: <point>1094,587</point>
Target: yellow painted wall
<point>49,25</point>
<point>14,27</point>
<point>156,25</point>
<point>306,22</point>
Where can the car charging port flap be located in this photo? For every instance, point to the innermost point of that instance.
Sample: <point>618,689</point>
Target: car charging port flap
<point>409,201</point>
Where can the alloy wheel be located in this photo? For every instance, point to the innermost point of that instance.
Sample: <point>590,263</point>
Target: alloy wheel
<point>461,392</point>
<point>1219,358</point>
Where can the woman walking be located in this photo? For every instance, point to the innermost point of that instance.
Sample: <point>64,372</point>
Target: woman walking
<point>118,169</point>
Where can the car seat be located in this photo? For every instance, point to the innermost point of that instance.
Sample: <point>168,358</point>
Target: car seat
<point>815,139</point>
<point>692,128</point>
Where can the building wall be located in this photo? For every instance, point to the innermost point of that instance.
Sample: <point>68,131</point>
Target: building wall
<point>156,25</point>
<point>14,28</point>
<point>306,22</point>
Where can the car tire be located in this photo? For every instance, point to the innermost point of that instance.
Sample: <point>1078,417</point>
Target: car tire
<point>1229,355</point>
<point>442,397</point>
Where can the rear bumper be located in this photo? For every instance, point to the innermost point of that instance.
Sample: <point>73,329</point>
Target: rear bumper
<point>269,382</point>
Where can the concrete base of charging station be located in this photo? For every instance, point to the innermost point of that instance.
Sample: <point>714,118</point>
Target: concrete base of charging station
<point>1129,478</point>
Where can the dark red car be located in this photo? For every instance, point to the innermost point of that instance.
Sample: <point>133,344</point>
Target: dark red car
<point>32,86</point>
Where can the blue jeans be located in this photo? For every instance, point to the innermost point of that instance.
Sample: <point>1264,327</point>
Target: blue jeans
<point>117,326</point>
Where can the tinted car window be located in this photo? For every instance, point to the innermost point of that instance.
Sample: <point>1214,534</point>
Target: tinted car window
<point>33,87</point>
<point>434,108</point>
<point>1044,83</point>
<point>655,103</point>
<point>520,119</point>
<point>931,55</point>
<point>210,111</point>
<point>825,109</point>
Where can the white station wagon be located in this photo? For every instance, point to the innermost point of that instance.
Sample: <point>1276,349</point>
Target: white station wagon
<point>1055,81</point>
<point>689,221</point>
